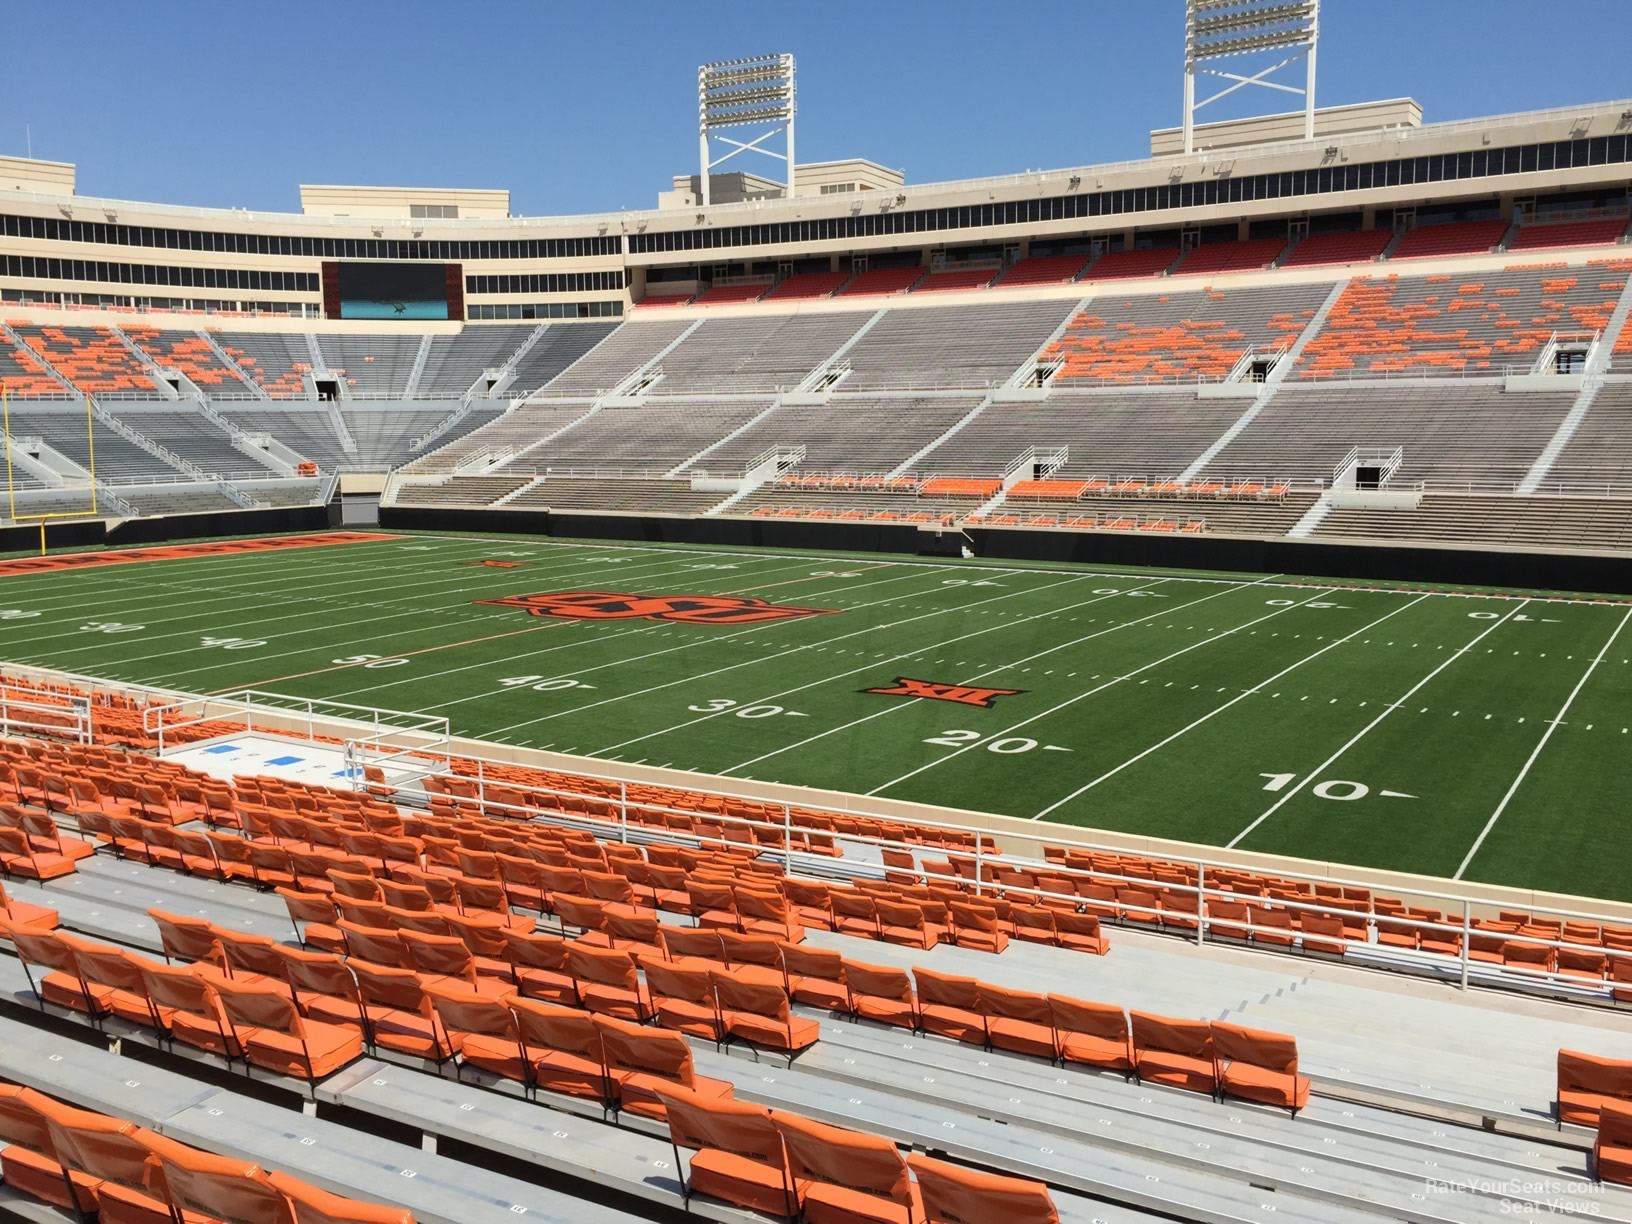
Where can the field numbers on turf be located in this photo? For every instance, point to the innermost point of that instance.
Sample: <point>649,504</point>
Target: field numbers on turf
<point>219,643</point>
<point>606,560</point>
<point>544,684</point>
<point>15,614</point>
<point>835,574</point>
<point>1520,616</point>
<point>710,566</point>
<point>1292,603</point>
<point>1007,746</point>
<point>110,627</point>
<point>966,582</point>
<point>1342,790</point>
<point>720,705</point>
<point>371,661</point>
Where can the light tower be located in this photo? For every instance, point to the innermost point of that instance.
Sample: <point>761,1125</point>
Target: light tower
<point>752,92</point>
<point>1214,30</point>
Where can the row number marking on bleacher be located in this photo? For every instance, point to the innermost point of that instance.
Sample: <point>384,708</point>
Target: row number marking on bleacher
<point>719,705</point>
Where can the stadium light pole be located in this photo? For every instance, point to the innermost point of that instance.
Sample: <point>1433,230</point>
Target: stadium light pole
<point>1216,30</point>
<point>752,92</point>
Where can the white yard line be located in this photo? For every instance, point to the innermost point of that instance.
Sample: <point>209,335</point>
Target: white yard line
<point>1540,744</point>
<point>465,614</point>
<point>1098,688</point>
<point>1369,727</point>
<point>731,667</point>
<point>797,650</point>
<point>644,629</point>
<point>903,705</point>
<point>1245,693</point>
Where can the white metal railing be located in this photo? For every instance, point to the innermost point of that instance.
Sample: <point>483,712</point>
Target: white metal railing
<point>980,859</point>
<point>25,710</point>
<point>975,857</point>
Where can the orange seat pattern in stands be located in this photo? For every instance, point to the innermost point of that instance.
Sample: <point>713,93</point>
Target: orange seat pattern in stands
<point>93,359</point>
<point>948,486</point>
<point>1369,331</point>
<point>1096,350</point>
<point>280,384</point>
<point>189,354</point>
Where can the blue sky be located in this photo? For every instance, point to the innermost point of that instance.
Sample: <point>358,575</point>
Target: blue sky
<point>588,107</point>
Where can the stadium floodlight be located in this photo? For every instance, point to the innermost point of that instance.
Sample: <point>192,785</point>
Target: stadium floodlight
<point>753,92</point>
<point>1222,29</point>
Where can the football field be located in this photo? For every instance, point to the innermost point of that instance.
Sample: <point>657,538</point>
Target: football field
<point>1485,735</point>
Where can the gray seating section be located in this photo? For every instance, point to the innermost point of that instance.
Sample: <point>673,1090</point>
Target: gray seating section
<point>600,362</point>
<point>309,431</point>
<point>823,503</point>
<point>285,493</point>
<point>1600,451</point>
<point>560,347</point>
<point>953,346</point>
<point>275,360</point>
<point>373,364</point>
<point>1108,433</point>
<point>754,353</point>
<point>156,500</point>
<point>1474,435</point>
<point>521,427</point>
<point>1475,323</point>
<point>861,436</point>
<point>455,362</point>
<point>189,434</point>
<point>1525,523</point>
<point>22,380</point>
<point>1181,336</point>
<point>461,490</point>
<point>117,458</point>
<point>383,434</point>
<point>632,496</point>
<point>651,439</point>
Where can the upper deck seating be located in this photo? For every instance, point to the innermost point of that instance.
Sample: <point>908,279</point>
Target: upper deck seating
<point>92,358</point>
<point>1599,232</point>
<point>949,278</point>
<point>1043,270</point>
<point>454,363</point>
<point>372,363</point>
<point>561,345</point>
<point>717,295</point>
<point>274,360</point>
<point>1455,325</point>
<point>1358,246</point>
<point>24,374</point>
<point>609,359</point>
<point>1128,265</point>
<point>1455,238</point>
<point>1168,337</point>
<point>1214,257</point>
<point>883,280</point>
<point>806,285</point>
<point>953,347</point>
<point>762,352</point>
<point>190,354</point>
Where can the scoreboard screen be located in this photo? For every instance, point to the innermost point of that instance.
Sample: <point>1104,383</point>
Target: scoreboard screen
<point>393,291</point>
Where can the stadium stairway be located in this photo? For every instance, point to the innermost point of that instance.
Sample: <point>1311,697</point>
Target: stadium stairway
<point>1592,382</point>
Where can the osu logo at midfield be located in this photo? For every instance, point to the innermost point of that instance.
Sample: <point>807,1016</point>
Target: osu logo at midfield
<point>691,609</point>
<point>962,694</point>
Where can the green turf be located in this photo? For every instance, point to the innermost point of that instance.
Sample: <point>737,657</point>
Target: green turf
<point>1267,713</point>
